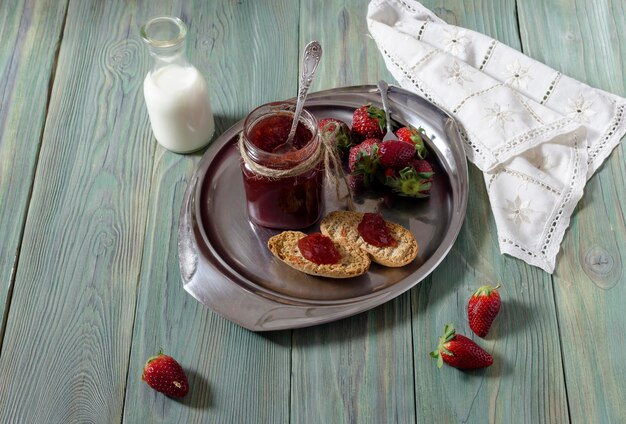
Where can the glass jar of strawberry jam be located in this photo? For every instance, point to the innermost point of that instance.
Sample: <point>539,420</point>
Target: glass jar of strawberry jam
<point>280,192</point>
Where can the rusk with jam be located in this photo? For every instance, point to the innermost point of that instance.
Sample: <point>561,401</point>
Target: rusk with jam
<point>353,262</point>
<point>342,227</point>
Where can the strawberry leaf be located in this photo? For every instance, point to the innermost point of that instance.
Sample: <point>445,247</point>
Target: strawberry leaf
<point>485,290</point>
<point>379,115</point>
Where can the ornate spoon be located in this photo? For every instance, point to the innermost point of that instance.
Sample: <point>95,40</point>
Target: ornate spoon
<point>310,60</point>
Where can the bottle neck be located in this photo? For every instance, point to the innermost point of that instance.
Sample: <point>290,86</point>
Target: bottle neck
<point>173,57</point>
<point>165,39</point>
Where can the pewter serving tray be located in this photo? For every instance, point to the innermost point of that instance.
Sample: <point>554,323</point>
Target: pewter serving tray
<point>224,261</point>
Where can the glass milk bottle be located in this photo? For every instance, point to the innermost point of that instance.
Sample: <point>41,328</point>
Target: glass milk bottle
<point>176,94</point>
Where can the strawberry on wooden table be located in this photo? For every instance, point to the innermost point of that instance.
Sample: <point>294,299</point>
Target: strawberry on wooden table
<point>369,122</point>
<point>165,375</point>
<point>458,351</point>
<point>482,309</point>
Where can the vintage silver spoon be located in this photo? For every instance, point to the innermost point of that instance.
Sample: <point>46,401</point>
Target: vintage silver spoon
<point>310,60</point>
<point>383,87</point>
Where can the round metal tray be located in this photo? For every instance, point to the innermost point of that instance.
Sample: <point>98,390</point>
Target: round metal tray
<point>224,261</point>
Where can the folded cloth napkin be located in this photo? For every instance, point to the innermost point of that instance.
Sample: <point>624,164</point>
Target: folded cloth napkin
<point>537,134</point>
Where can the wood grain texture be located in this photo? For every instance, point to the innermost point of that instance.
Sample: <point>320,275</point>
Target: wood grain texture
<point>30,32</point>
<point>526,382</point>
<point>65,352</point>
<point>97,288</point>
<point>359,369</point>
<point>582,39</point>
<point>350,56</point>
<point>235,375</point>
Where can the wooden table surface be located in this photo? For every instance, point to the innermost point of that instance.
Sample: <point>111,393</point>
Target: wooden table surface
<point>89,204</point>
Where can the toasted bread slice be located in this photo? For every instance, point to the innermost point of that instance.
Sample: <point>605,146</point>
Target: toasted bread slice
<point>353,262</point>
<point>341,226</point>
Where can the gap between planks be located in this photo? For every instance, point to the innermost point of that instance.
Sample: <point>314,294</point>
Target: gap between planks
<point>556,312</point>
<point>16,260</point>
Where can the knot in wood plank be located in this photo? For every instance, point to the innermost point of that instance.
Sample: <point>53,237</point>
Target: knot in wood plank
<point>120,57</point>
<point>104,242</point>
<point>602,267</point>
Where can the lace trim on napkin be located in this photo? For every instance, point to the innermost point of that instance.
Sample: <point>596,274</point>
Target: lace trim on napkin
<point>550,90</point>
<point>417,83</point>
<point>610,139</point>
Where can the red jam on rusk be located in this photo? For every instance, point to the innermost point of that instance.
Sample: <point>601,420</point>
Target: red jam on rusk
<point>374,231</point>
<point>288,203</point>
<point>319,249</point>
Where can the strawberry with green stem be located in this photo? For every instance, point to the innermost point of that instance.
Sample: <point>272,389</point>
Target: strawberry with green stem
<point>413,136</point>
<point>458,351</point>
<point>482,309</point>
<point>369,122</point>
<point>409,183</point>
<point>343,138</point>
<point>165,375</point>
<point>364,159</point>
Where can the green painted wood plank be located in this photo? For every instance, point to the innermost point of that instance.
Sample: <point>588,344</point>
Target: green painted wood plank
<point>235,375</point>
<point>526,382</point>
<point>30,32</point>
<point>581,39</point>
<point>355,370</point>
<point>350,56</point>
<point>66,347</point>
<point>359,369</point>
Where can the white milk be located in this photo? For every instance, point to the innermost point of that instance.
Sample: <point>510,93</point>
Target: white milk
<point>178,104</point>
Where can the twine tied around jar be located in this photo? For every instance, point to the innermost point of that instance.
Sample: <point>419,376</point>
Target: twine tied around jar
<point>326,151</point>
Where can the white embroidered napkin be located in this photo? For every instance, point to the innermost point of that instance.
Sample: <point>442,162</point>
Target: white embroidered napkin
<point>536,134</point>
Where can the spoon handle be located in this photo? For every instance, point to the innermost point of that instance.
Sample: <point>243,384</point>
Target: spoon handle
<point>383,87</point>
<point>310,60</point>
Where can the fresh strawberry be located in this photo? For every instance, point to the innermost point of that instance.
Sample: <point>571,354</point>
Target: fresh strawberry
<point>482,309</point>
<point>367,147</point>
<point>405,134</point>
<point>424,170</point>
<point>368,122</point>
<point>343,139</point>
<point>165,375</point>
<point>364,159</point>
<point>413,136</point>
<point>409,183</point>
<point>458,351</point>
<point>396,154</point>
<point>422,167</point>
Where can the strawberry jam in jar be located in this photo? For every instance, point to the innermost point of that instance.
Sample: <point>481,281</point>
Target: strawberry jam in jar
<point>283,186</point>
